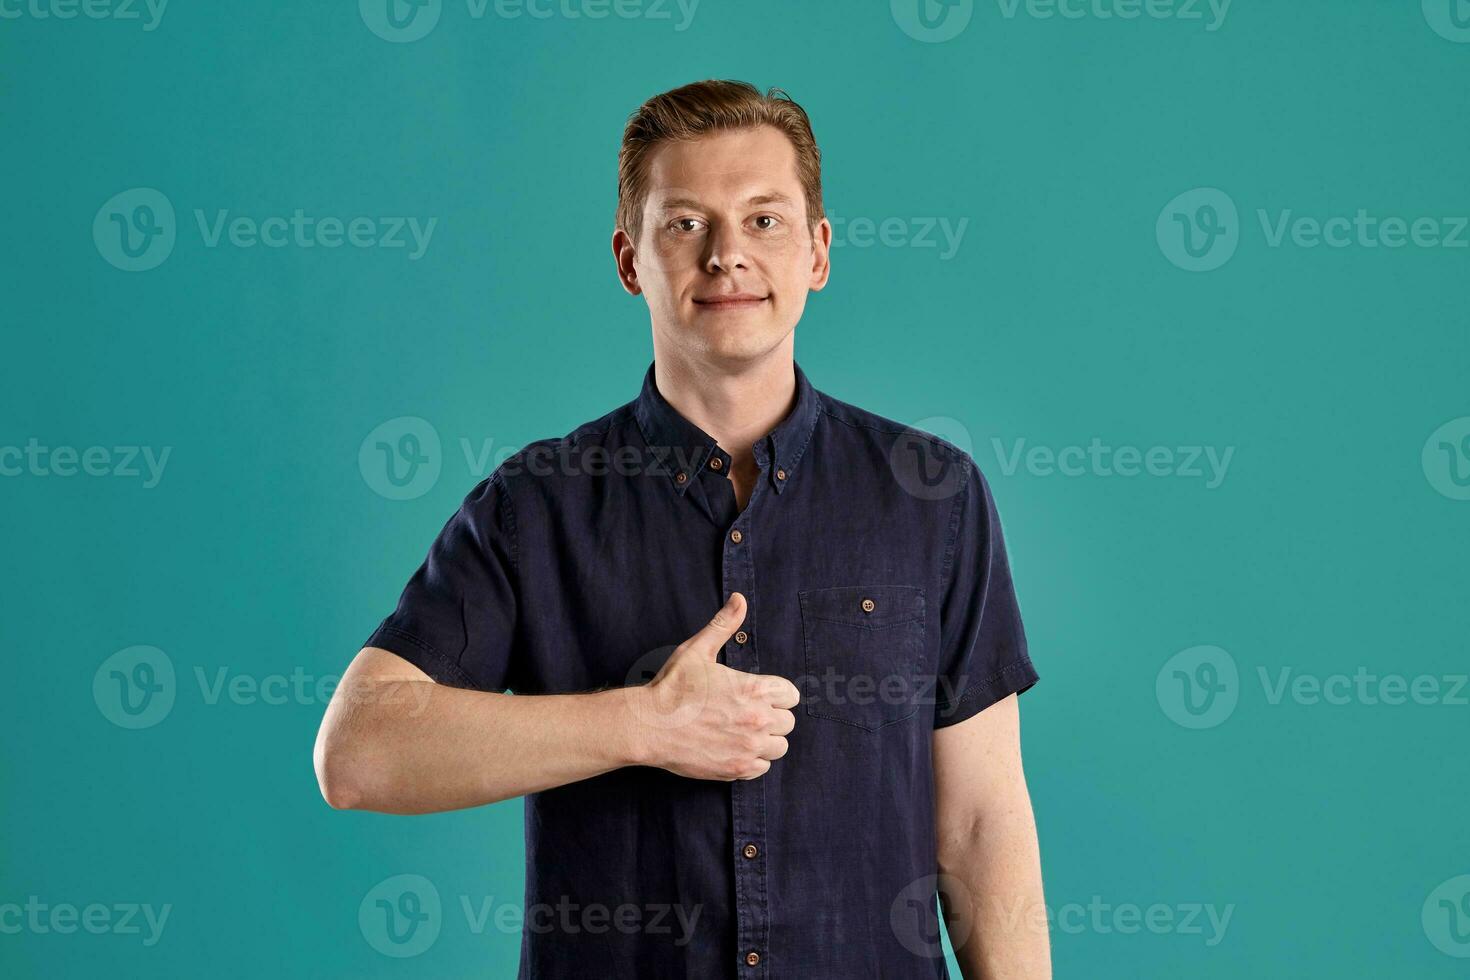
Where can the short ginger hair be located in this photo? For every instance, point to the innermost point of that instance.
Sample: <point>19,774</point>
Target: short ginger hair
<point>691,111</point>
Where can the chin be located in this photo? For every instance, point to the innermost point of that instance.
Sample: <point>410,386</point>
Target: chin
<point>743,342</point>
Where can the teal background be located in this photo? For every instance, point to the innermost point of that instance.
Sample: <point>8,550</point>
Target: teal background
<point>264,550</point>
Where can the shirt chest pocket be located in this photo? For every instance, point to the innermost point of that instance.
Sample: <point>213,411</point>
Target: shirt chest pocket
<point>864,648</point>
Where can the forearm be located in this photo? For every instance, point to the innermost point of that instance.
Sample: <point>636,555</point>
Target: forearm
<point>412,746</point>
<point>393,740</point>
<point>996,913</point>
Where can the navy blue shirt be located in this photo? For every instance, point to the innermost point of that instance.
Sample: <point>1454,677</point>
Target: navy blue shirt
<point>875,573</point>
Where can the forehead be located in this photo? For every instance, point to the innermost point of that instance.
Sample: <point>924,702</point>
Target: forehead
<point>728,163</point>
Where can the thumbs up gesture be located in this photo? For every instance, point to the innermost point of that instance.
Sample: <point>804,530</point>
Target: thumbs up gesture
<point>704,720</point>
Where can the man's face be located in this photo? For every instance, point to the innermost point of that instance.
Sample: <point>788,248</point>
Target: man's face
<point>725,256</point>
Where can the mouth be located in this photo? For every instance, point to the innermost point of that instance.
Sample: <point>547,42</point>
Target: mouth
<point>732,301</point>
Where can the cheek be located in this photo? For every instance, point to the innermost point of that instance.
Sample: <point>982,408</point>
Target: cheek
<point>787,263</point>
<point>671,255</point>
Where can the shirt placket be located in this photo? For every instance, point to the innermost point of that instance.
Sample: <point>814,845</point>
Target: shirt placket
<point>747,796</point>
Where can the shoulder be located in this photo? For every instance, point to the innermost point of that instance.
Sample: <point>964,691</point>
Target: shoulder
<point>916,457</point>
<point>548,465</point>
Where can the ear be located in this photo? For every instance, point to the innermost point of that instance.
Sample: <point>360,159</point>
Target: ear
<point>821,255</point>
<point>624,255</point>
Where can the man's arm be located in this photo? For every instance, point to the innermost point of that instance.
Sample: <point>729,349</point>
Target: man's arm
<point>394,741</point>
<point>994,910</point>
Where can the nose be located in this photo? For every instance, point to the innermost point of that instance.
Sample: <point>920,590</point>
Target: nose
<point>725,251</point>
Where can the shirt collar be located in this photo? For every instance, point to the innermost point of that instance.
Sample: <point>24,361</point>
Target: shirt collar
<point>686,448</point>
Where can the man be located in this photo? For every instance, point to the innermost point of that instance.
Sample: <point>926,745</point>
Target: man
<point>830,736</point>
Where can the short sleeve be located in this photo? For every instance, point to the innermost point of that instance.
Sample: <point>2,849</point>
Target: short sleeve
<point>983,655</point>
<point>456,618</point>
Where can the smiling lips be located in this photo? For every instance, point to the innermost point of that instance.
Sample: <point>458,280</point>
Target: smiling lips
<point>730,301</point>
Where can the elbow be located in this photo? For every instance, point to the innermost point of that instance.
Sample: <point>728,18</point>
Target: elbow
<point>336,775</point>
<point>956,844</point>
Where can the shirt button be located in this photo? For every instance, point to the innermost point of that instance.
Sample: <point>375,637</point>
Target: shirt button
<point>750,850</point>
<point>780,474</point>
<point>867,605</point>
<point>715,463</point>
<point>680,477</point>
<point>740,637</point>
<point>735,535</point>
<point>752,958</point>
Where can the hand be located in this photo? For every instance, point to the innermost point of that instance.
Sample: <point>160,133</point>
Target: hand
<point>701,719</point>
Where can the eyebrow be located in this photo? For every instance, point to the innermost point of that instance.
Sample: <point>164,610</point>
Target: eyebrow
<point>771,197</point>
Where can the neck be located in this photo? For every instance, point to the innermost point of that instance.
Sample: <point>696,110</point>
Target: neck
<point>737,403</point>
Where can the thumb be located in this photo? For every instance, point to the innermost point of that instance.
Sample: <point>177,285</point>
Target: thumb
<point>718,630</point>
